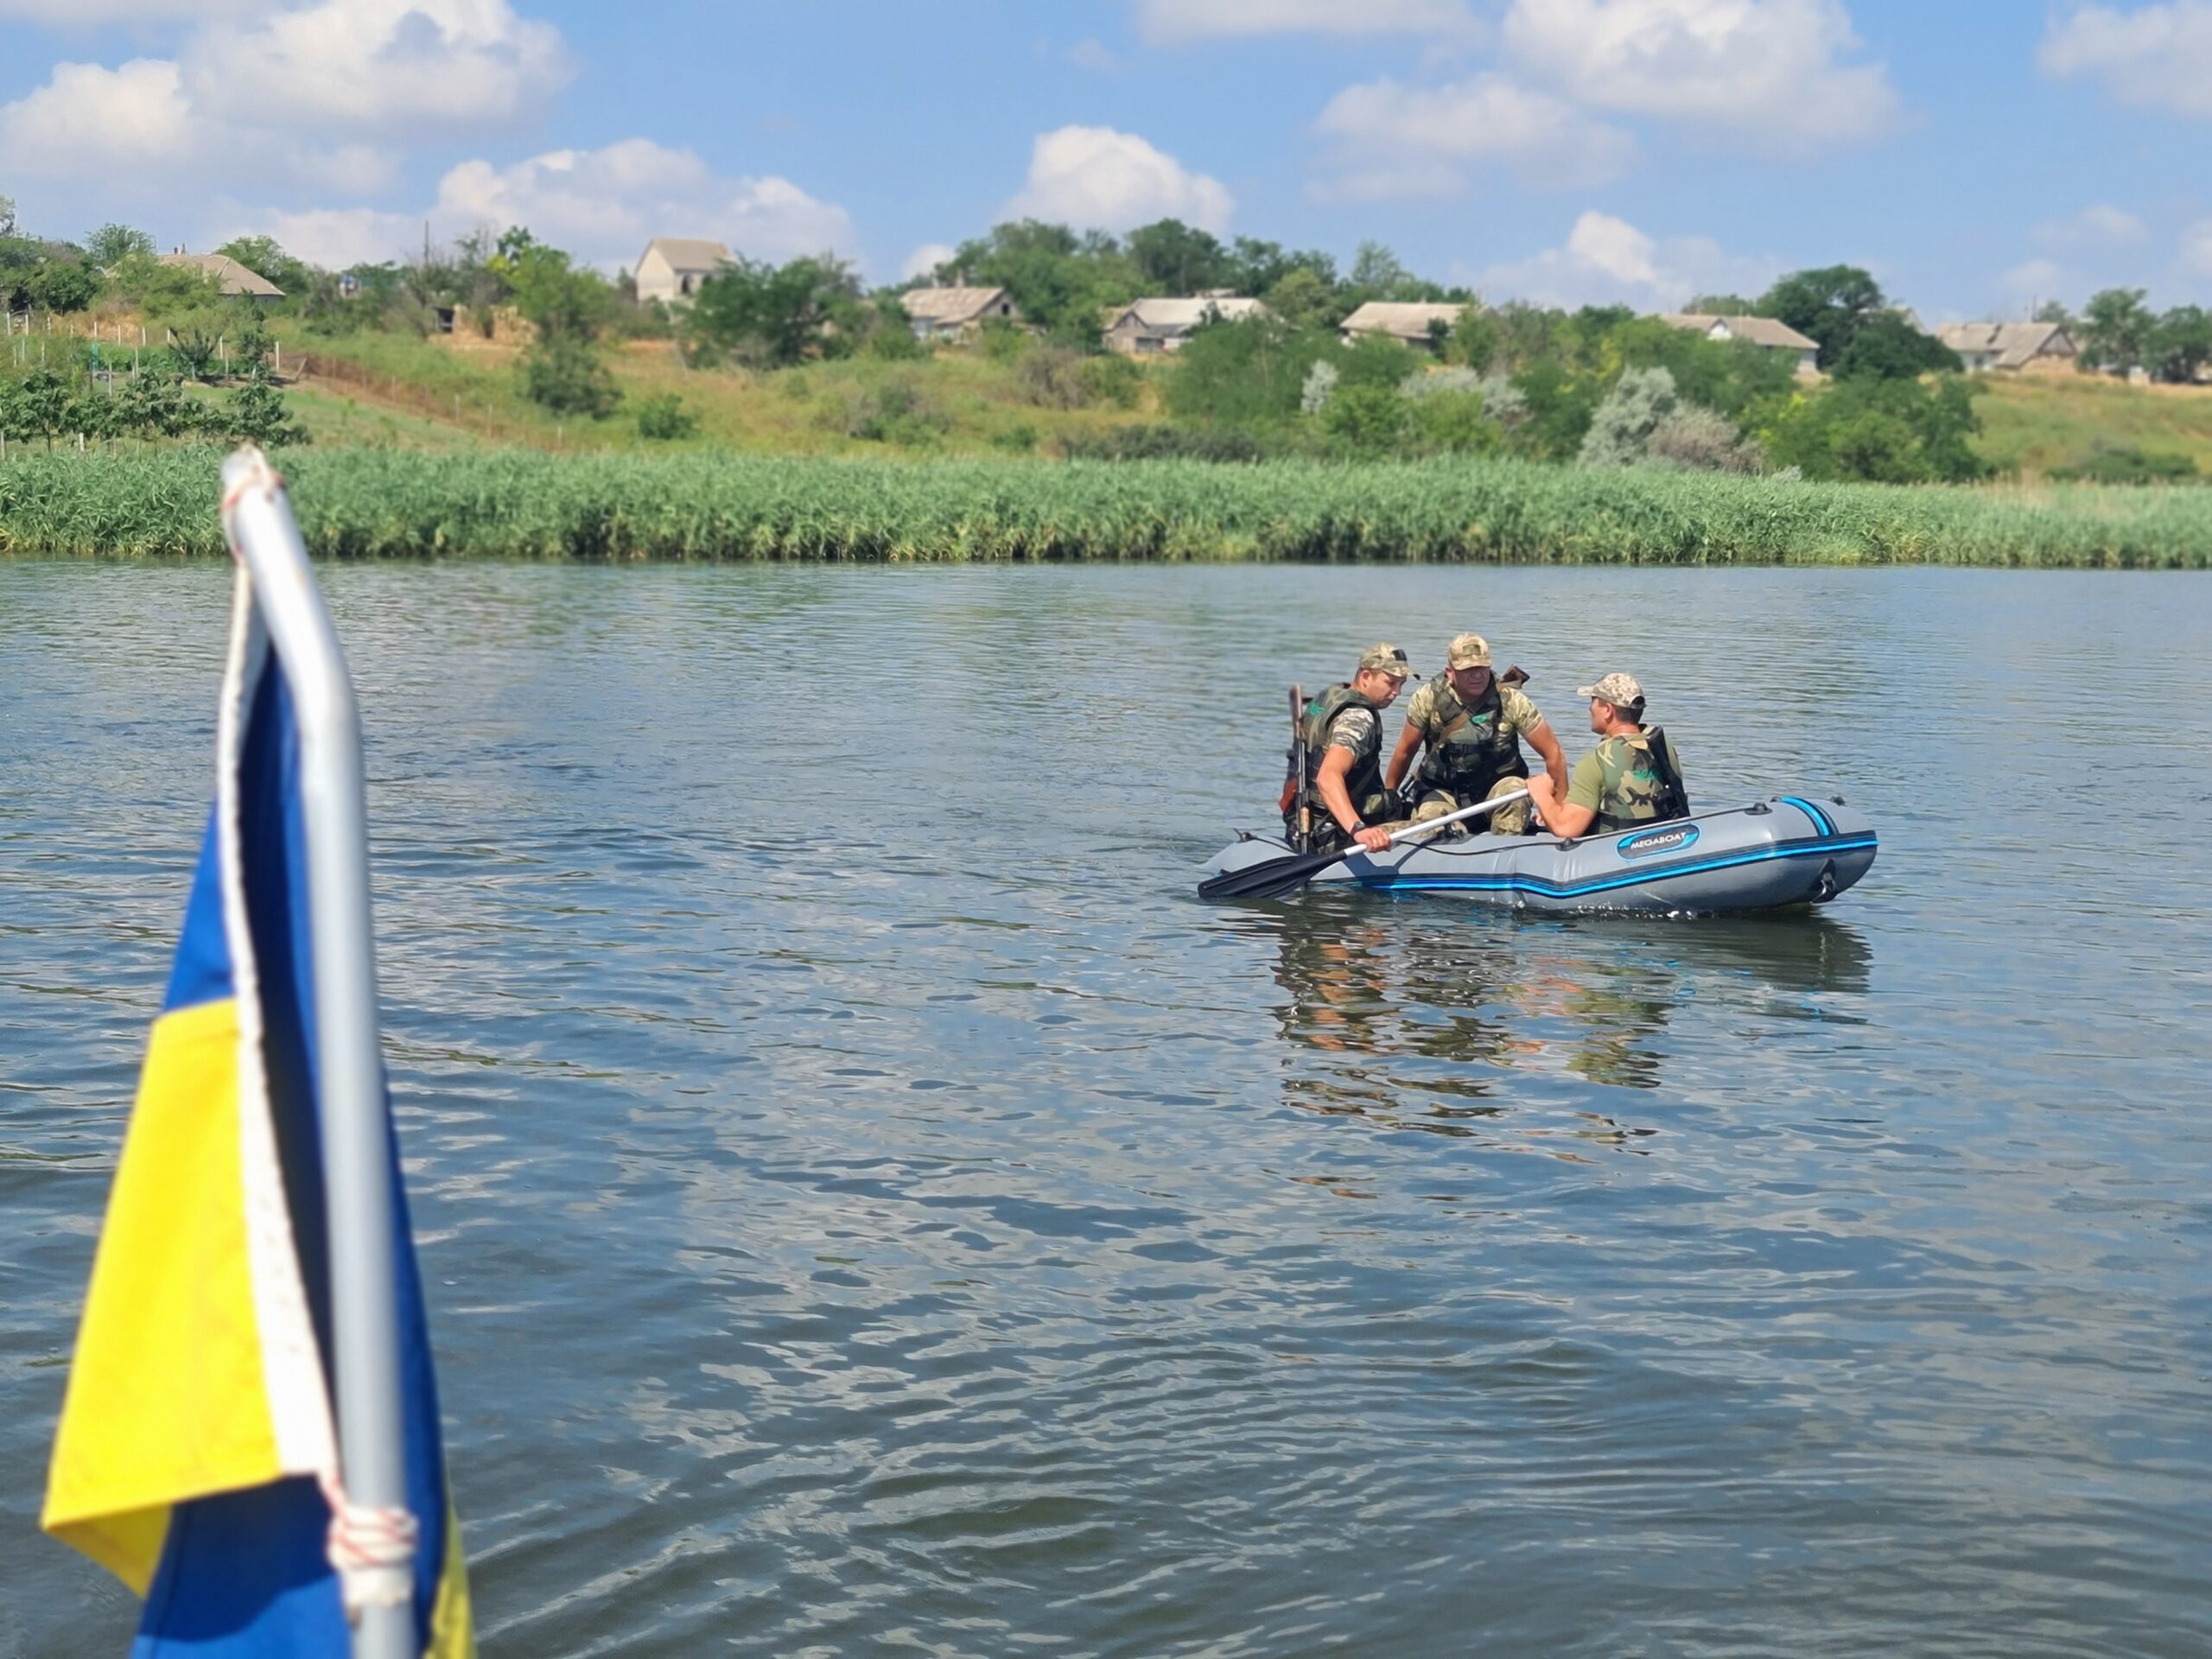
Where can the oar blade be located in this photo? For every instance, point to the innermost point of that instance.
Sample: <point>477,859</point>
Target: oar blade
<point>1270,881</point>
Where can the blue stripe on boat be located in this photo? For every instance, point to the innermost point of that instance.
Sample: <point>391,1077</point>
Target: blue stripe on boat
<point>1511,882</point>
<point>1824,823</point>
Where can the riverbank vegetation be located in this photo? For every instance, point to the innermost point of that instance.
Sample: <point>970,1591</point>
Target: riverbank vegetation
<point>502,339</point>
<point>515,504</point>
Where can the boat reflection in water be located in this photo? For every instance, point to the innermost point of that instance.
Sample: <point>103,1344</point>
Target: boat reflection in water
<point>1425,1018</point>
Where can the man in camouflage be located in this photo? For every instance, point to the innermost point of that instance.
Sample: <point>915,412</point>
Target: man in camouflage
<point>1469,726</point>
<point>1631,777</point>
<point>1344,754</point>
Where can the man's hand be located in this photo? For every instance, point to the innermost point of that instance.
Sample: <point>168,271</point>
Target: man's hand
<point>1373,840</point>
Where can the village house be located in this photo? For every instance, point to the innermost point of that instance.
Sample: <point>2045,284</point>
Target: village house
<point>672,267</point>
<point>2034,346</point>
<point>944,314</point>
<point>1147,328</point>
<point>235,280</point>
<point>1763,332</point>
<point>1417,323</point>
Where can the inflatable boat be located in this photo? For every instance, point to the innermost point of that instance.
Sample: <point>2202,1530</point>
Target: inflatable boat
<point>1787,850</point>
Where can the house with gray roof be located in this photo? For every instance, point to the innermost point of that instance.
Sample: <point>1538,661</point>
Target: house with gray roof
<point>1982,346</point>
<point>672,267</point>
<point>1764,332</point>
<point>1416,323</point>
<point>949,314</point>
<point>235,280</point>
<point>1148,327</point>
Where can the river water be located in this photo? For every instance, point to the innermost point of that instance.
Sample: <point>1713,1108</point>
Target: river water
<point>869,1205</point>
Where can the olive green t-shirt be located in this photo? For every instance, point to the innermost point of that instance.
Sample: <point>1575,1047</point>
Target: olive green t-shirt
<point>1599,776</point>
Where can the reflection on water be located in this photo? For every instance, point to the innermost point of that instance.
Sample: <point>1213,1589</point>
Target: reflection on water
<point>1464,997</point>
<point>869,1205</point>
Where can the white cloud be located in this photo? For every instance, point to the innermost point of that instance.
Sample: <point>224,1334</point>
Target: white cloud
<point>334,237</point>
<point>1094,177</point>
<point>382,66</point>
<point>1091,52</point>
<point>1172,22</point>
<point>604,205</point>
<point>92,123</point>
<point>1395,140</point>
<point>2197,248</point>
<point>2032,279</point>
<point>87,119</point>
<point>93,14</point>
<point>1765,70</point>
<point>1607,260</point>
<point>2102,225</point>
<point>925,260</point>
<point>2158,56</point>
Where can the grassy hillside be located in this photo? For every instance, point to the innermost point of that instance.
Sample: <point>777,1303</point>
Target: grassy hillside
<point>707,505</point>
<point>2034,423</point>
<point>398,391</point>
<point>955,403</point>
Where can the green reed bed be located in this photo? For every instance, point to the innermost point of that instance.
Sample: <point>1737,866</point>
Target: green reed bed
<point>376,504</point>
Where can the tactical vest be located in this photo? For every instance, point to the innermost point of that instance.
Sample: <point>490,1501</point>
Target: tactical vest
<point>1468,748</point>
<point>1363,780</point>
<point>1650,789</point>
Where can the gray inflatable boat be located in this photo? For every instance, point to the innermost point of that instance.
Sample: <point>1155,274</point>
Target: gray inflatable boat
<point>1786,850</point>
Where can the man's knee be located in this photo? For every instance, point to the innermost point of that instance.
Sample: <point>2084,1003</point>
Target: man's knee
<point>1434,804</point>
<point>1508,820</point>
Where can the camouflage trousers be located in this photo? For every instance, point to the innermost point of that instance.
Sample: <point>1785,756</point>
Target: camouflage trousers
<point>1506,821</point>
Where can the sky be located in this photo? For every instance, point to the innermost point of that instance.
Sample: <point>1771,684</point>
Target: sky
<point>1977,157</point>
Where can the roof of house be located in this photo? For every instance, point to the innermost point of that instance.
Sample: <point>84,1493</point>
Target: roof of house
<point>688,252</point>
<point>1760,331</point>
<point>2014,343</point>
<point>1409,319</point>
<point>1182,315</point>
<point>230,277</point>
<point>949,304</point>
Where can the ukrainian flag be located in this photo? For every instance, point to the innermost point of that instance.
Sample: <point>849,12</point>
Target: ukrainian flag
<point>196,1445</point>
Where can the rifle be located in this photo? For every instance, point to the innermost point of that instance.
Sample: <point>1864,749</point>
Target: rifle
<point>1301,828</point>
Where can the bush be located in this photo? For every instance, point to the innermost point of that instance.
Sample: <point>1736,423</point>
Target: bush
<point>1051,377</point>
<point>1001,341</point>
<point>1368,420</point>
<point>1113,380</point>
<point>1320,385</point>
<point>564,374</point>
<point>2126,464</point>
<point>1702,440</point>
<point>63,285</point>
<point>893,414</point>
<point>664,419</point>
<point>1164,443</point>
<point>1624,424</point>
<point>1021,438</point>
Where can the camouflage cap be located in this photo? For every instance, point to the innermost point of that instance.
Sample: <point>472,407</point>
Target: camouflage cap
<point>1469,651</point>
<point>1622,690</point>
<point>1386,659</point>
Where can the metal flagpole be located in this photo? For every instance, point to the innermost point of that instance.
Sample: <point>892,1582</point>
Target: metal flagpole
<point>350,1073</point>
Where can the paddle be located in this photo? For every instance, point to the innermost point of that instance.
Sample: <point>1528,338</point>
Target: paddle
<point>1278,876</point>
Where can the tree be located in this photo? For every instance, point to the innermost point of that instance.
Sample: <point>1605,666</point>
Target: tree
<point>2054,311</point>
<point>773,315</point>
<point>1624,424</point>
<point>262,257</point>
<point>2115,329</point>
<point>2179,344</point>
<point>1829,305</point>
<point>1887,348</point>
<point>1303,299</point>
<point>7,215</point>
<point>113,244</point>
<point>42,407</point>
<point>153,405</point>
<point>1376,272</point>
<point>1889,431</point>
<point>1176,258</point>
<point>1246,374</point>
<point>1721,305</point>
<point>63,285</point>
<point>255,412</point>
<point>1369,420</point>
